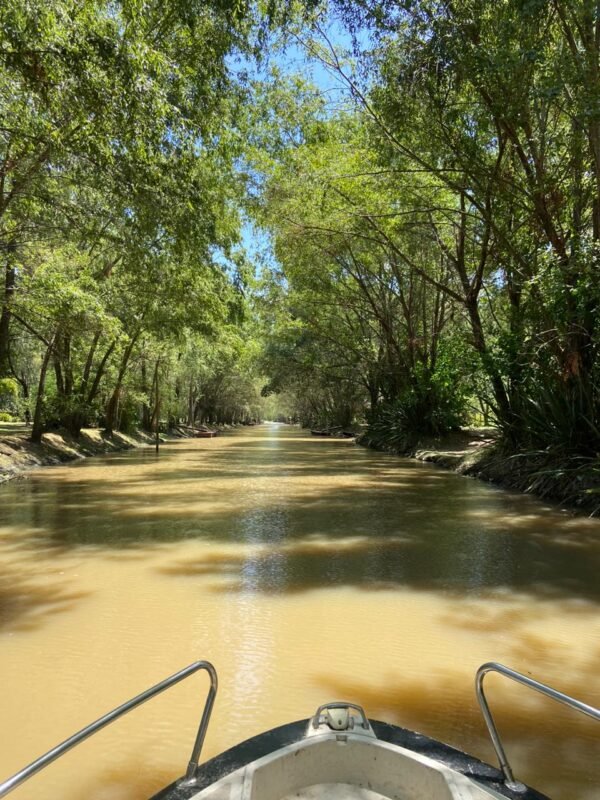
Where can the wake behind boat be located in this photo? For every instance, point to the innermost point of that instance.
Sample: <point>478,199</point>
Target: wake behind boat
<point>338,754</point>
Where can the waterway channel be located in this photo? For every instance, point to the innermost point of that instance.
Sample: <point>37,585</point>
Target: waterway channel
<point>306,569</point>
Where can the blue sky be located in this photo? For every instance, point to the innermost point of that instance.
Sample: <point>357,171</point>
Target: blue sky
<point>290,60</point>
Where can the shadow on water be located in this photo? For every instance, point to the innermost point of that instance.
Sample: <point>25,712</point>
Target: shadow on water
<point>463,565</point>
<point>284,514</point>
<point>443,706</point>
<point>278,514</point>
<point>26,602</point>
<point>129,781</point>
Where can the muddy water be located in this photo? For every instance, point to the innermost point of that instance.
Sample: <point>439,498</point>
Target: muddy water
<point>306,570</point>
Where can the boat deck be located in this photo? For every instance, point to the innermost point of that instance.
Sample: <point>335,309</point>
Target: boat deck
<point>335,791</point>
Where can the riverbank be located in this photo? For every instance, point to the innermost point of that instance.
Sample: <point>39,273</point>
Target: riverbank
<point>478,453</point>
<point>18,454</point>
<point>474,452</point>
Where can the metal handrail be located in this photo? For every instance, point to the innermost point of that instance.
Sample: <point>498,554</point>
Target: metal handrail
<point>43,761</point>
<point>548,691</point>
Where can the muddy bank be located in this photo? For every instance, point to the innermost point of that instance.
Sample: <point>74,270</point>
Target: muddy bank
<point>18,454</point>
<point>459,450</point>
<point>462,450</point>
<point>477,452</point>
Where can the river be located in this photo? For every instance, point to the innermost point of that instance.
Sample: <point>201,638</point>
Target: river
<point>306,570</point>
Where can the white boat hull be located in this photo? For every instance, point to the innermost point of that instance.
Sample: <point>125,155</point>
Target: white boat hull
<point>385,762</point>
<point>349,766</point>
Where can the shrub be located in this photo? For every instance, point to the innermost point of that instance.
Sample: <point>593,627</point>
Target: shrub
<point>129,416</point>
<point>9,395</point>
<point>560,415</point>
<point>430,407</point>
<point>72,413</point>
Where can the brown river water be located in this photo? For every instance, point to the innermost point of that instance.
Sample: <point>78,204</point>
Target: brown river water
<point>306,570</point>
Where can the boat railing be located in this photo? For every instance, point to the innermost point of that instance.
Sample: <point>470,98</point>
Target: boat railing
<point>542,688</point>
<point>43,761</point>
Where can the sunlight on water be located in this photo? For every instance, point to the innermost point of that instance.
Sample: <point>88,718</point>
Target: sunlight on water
<point>307,570</point>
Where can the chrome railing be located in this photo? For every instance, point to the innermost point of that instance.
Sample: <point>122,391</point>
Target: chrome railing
<point>43,761</point>
<point>548,691</point>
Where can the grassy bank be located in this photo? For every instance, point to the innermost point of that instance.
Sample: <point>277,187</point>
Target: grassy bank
<point>566,479</point>
<point>570,480</point>
<point>18,454</point>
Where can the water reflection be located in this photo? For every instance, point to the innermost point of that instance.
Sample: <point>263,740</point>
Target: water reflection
<point>305,568</point>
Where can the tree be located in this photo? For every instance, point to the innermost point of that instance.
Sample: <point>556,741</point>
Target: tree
<point>367,281</point>
<point>117,166</point>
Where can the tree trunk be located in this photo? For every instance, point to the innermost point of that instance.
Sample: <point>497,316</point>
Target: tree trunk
<point>503,408</point>
<point>100,372</point>
<point>9,288</point>
<point>88,365</point>
<point>113,403</point>
<point>157,406</point>
<point>191,404</point>
<point>155,410</point>
<point>112,409</point>
<point>60,382</point>
<point>38,428</point>
<point>146,404</point>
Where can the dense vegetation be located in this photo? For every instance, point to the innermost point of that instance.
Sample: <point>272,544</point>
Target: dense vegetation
<point>119,212</point>
<point>431,198</point>
<point>439,230</point>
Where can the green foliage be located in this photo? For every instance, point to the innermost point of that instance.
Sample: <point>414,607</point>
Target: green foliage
<point>432,407</point>
<point>9,394</point>
<point>119,190</point>
<point>562,418</point>
<point>6,417</point>
<point>390,428</point>
<point>129,414</point>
